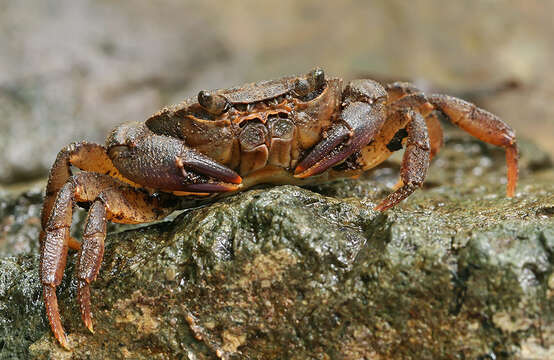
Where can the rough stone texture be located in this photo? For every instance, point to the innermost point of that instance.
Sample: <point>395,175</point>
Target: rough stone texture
<point>456,271</point>
<point>73,69</point>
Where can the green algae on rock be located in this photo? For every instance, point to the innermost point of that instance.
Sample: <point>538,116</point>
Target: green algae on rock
<point>456,271</point>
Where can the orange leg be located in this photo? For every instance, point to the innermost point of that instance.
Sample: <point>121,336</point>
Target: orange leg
<point>434,129</point>
<point>111,200</point>
<point>484,126</point>
<point>415,161</point>
<point>480,123</point>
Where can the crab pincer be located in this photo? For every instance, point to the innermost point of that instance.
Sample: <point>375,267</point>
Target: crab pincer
<point>360,120</point>
<point>163,162</point>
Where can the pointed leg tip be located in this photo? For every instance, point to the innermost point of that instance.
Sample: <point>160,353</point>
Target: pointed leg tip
<point>89,326</point>
<point>52,312</point>
<point>62,340</point>
<point>83,297</point>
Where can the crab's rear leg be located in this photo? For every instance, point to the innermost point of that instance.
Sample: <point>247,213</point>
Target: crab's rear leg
<point>415,161</point>
<point>483,125</point>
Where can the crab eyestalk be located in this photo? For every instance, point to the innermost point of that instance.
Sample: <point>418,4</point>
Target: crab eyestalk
<point>314,80</point>
<point>316,77</point>
<point>212,103</point>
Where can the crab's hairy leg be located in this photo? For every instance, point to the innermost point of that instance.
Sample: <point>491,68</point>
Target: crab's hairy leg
<point>53,257</point>
<point>360,121</point>
<point>484,126</point>
<point>164,162</point>
<point>85,187</point>
<point>117,203</point>
<point>90,257</point>
<point>415,161</point>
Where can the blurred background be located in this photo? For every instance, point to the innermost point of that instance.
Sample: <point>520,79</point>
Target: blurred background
<point>73,69</point>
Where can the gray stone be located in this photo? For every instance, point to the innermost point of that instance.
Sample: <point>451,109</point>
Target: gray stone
<point>457,270</point>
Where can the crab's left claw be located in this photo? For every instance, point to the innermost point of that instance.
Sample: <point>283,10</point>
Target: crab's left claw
<point>167,163</point>
<point>361,119</point>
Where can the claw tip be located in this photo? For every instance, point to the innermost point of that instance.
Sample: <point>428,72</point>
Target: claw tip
<point>299,169</point>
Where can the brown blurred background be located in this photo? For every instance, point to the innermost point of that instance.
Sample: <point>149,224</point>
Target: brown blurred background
<point>71,70</point>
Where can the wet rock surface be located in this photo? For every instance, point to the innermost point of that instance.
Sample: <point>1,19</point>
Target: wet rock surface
<point>456,271</point>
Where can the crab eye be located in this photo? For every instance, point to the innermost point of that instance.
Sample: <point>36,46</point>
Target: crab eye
<point>302,87</point>
<point>212,103</point>
<point>317,78</point>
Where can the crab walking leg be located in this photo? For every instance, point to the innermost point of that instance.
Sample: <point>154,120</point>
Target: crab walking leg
<point>127,205</point>
<point>436,140</point>
<point>415,161</point>
<point>90,257</point>
<point>403,94</point>
<point>484,126</point>
<point>434,128</point>
<point>121,204</point>
<point>361,120</point>
<point>54,255</point>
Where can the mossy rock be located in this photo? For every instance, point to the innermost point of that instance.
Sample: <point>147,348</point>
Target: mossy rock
<point>456,271</point>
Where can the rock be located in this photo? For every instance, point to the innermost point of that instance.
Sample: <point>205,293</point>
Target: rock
<point>457,270</point>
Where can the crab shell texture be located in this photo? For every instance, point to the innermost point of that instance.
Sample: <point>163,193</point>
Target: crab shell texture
<point>262,134</point>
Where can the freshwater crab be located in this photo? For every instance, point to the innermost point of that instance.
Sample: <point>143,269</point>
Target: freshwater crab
<point>294,130</point>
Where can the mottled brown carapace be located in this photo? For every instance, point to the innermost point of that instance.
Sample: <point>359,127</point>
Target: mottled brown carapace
<point>295,130</point>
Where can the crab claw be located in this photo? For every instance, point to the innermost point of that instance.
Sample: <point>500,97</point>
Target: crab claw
<point>167,163</point>
<point>361,119</point>
<point>206,166</point>
<point>361,123</point>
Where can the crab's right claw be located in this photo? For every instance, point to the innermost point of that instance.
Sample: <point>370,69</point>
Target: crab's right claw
<point>163,162</point>
<point>361,119</point>
<point>361,123</point>
<point>193,163</point>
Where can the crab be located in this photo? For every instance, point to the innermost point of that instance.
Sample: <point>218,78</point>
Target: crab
<point>294,130</point>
